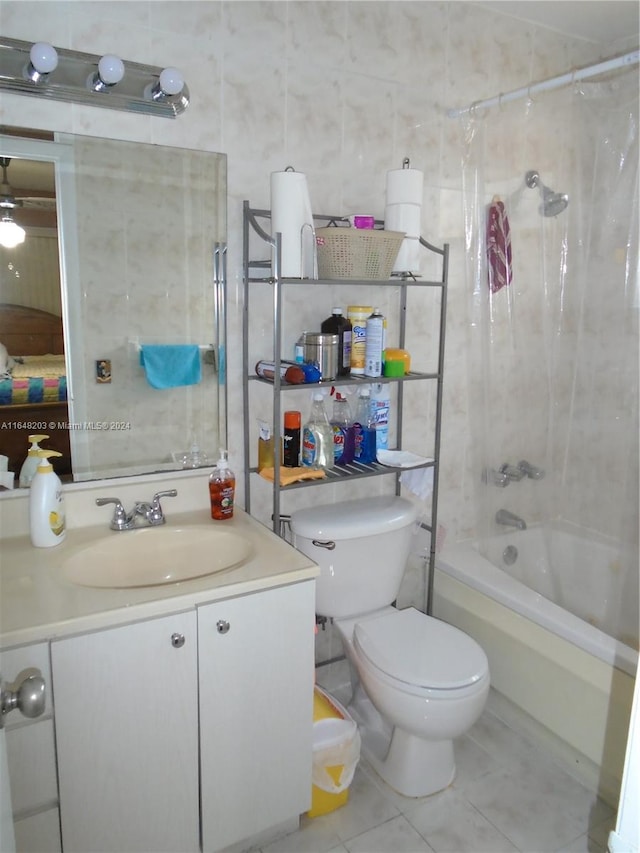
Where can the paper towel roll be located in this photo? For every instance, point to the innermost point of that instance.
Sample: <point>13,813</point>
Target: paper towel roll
<point>404,186</point>
<point>403,217</point>
<point>291,215</point>
<point>408,259</point>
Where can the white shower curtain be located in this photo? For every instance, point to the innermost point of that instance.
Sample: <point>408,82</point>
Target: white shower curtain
<point>554,354</point>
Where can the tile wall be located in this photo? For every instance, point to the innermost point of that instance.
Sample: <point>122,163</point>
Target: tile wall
<point>343,91</point>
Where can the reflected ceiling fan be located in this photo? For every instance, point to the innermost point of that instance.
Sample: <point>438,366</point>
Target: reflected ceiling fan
<point>34,208</point>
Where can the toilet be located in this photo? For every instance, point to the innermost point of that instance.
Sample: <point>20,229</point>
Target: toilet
<point>418,682</point>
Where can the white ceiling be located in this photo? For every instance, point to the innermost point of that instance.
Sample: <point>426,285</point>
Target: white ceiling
<point>593,20</point>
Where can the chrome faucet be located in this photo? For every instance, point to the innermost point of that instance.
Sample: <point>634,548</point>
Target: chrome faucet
<point>509,519</point>
<point>151,512</point>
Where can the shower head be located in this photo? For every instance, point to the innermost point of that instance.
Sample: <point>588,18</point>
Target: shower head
<point>552,203</point>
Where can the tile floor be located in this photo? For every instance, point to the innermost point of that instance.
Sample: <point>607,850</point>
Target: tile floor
<point>509,795</point>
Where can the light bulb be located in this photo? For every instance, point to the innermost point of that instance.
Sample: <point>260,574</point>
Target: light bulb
<point>44,57</point>
<point>111,69</point>
<point>171,81</point>
<point>11,234</point>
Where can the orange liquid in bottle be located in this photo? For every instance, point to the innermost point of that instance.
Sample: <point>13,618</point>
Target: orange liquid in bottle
<point>221,494</point>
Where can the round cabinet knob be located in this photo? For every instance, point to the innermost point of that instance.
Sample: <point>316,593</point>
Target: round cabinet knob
<point>29,696</point>
<point>222,626</point>
<point>177,640</point>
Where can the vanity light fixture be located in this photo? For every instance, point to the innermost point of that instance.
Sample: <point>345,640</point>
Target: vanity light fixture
<point>11,234</point>
<point>84,78</point>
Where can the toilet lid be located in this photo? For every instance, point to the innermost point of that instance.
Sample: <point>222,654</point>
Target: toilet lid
<point>421,650</point>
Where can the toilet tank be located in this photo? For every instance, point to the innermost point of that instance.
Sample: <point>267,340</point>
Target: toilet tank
<point>361,546</point>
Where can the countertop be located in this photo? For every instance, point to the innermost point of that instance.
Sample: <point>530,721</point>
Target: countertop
<point>37,603</point>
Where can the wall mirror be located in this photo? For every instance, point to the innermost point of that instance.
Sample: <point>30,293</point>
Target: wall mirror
<point>125,247</point>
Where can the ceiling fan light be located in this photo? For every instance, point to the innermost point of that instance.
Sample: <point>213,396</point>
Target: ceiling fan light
<point>11,234</point>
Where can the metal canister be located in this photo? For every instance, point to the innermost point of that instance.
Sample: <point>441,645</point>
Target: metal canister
<point>322,349</point>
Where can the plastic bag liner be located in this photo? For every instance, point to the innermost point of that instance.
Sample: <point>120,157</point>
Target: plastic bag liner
<point>336,745</point>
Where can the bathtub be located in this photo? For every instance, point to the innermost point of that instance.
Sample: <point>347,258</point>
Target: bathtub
<point>569,663</point>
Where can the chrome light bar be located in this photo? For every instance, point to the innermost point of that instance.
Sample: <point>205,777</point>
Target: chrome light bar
<point>69,75</point>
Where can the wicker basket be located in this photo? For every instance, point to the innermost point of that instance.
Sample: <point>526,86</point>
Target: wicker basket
<point>356,252</point>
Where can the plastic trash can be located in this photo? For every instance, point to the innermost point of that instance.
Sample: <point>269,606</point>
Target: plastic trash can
<point>336,752</point>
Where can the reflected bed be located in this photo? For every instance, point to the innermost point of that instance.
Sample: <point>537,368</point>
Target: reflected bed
<point>33,399</point>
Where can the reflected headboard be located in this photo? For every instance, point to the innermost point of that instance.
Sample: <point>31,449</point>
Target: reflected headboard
<point>30,331</point>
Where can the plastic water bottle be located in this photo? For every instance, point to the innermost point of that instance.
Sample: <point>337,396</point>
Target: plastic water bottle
<point>317,436</point>
<point>380,411</point>
<point>365,434</point>
<point>343,431</point>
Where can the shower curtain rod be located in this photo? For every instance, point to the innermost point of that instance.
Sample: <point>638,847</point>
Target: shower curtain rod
<point>552,83</point>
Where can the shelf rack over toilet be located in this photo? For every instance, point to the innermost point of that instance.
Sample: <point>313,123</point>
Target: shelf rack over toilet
<point>272,277</point>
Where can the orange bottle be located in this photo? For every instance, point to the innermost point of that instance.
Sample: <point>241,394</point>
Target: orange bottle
<point>222,488</point>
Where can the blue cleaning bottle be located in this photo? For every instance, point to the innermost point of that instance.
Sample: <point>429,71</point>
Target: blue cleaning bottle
<point>365,434</point>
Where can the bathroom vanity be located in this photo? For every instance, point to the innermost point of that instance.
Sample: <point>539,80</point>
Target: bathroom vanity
<point>178,716</point>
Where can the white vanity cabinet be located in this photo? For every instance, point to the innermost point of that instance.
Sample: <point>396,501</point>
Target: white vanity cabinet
<point>256,711</point>
<point>31,758</point>
<point>126,722</point>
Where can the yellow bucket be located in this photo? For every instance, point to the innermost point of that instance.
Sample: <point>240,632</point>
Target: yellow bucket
<point>323,802</point>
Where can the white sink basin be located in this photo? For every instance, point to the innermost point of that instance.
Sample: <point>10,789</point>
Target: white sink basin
<point>153,556</point>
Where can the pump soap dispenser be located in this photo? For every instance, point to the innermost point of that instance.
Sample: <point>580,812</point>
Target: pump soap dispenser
<point>222,487</point>
<point>46,504</point>
<point>28,470</point>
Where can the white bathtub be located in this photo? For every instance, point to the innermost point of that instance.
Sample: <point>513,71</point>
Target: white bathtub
<point>566,672</point>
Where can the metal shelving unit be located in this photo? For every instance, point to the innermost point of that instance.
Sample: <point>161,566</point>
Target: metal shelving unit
<point>272,278</point>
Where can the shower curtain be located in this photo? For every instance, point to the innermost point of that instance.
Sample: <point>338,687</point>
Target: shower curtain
<point>553,368</point>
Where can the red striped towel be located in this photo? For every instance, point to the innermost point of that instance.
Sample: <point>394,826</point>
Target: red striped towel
<point>498,246</point>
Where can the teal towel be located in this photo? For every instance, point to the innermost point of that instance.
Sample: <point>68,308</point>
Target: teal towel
<point>170,366</point>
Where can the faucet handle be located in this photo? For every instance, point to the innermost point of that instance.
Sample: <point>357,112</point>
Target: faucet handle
<point>120,521</point>
<point>170,493</point>
<point>513,472</point>
<point>156,515</point>
<point>531,471</point>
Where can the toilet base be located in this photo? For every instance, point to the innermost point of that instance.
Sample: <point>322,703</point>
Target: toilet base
<point>412,766</point>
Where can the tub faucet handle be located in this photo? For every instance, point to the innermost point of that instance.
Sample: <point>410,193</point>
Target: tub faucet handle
<point>531,471</point>
<point>513,472</point>
<point>495,478</point>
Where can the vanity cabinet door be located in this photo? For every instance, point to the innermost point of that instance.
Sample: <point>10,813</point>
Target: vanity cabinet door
<point>256,711</point>
<point>126,720</point>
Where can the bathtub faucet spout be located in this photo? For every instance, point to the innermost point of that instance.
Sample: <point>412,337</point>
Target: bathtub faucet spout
<point>509,519</point>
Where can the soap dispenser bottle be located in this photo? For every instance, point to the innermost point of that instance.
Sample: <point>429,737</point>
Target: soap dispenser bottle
<point>222,487</point>
<point>28,470</point>
<point>46,504</point>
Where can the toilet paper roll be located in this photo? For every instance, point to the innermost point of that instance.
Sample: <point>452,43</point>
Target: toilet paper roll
<point>404,186</point>
<point>404,218</point>
<point>4,463</point>
<point>408,259</point>
<point>291,215</point>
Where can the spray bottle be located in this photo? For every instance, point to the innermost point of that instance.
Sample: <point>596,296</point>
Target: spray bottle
<point>46,504</point>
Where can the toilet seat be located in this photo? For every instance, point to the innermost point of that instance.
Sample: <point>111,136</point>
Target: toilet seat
<point>420,651</point>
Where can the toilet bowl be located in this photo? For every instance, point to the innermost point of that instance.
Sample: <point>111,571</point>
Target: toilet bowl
<point>423,684</point>
<point>418,683</point>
